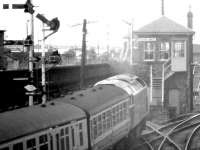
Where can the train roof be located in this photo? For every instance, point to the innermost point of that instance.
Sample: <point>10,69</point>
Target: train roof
<point>28,120</point>
<point>97,98</point>
<point>128,82</point>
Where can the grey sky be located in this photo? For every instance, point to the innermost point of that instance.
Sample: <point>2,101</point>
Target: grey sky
<point>109,14</point>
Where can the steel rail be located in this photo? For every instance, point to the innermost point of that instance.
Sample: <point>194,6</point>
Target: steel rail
<point>145,143</point>
<point>148,144</point>
<point>190,137</point>
<point>163,127</point>
<point>181,117</point>
<point>167,135</point>
<point>185,127</point>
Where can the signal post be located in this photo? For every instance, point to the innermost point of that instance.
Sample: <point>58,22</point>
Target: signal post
<point>54,25</point>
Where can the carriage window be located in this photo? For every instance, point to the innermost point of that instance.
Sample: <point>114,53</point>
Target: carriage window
<point>43,139</point>
<point>44,147</point>
<point>99,125</point>
<point>117,113</point>
<point>5,148</point>
<point>67,142</point>
<point>141,82</point>
<point>137,86</point>
<point>132,100</point>
<point>66,130</point>
<point>73,140</point>
<point>51,142</point>
<point>62,132</point>
<point>43,142</point>
<point>109,119</point>
<point>81,133</point>
<point>81,138</point>
<point>62,142</point>
<point>120,112</point>
<point>67,138</point>
<point>31,144</point>
<point>57,141</point>
<point>104,121</point>
<point>18,146</point>
<point>95,127</point>
<point>91,129</point>
<point>114,116</point>
<point>125,110</point>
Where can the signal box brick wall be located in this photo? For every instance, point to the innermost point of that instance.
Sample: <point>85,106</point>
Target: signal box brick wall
<point>177,82</point>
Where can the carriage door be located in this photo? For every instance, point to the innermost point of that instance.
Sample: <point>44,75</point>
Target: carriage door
<point>61,138</point>
<point>75,140</point>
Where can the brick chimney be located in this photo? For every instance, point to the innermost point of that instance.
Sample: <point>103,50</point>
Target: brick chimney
<point>190,19</point>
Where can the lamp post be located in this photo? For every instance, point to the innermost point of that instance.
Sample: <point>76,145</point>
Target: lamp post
<point>131,39</point>
<point>44,98</point>
<point>31,50</point>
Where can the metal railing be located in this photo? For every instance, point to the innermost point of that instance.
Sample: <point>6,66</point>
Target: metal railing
<point>167,68</point>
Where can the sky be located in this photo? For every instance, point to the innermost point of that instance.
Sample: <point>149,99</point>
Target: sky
<point>108,15</point>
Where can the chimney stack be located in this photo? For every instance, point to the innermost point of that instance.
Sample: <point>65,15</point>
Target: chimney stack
<point>190,19</point>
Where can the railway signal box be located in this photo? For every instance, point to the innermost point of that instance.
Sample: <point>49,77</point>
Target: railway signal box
<point>167,48</point>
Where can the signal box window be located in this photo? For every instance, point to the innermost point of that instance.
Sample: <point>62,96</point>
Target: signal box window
<point>164,50</point>
<point>149,49</point>
<point>179,49</point>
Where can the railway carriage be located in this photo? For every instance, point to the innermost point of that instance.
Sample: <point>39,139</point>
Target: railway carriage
<point>52,126</point>
<point>107,110</point>
<point>95,119</point>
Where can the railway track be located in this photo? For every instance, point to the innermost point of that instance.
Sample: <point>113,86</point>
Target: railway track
<point>182,133</point>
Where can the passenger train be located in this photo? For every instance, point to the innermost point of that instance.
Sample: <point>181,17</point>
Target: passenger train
<point>93,119</point>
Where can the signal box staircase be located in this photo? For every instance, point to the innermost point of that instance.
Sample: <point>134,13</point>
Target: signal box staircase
<point>158,75</point>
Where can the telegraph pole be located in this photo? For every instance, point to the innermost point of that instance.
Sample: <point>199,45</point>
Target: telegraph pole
<point>84,52</point>
<point>83,57</point>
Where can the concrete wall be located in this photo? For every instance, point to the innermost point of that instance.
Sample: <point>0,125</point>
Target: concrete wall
<point>59,80</point>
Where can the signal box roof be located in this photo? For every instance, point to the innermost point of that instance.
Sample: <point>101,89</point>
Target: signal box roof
<point>164,25</point>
